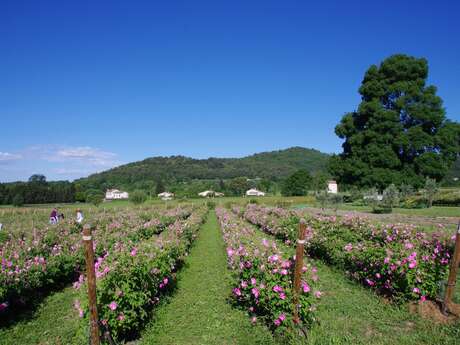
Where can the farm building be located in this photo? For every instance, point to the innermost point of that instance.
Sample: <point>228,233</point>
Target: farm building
<point>115,194</point>
<point>166,196</point>
<point>254,192</point>
<point>332,187</point>
<point>210,193</point>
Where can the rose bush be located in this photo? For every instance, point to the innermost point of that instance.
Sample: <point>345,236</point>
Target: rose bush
<point>50,256</point>
<point>396,259</point>
<point>132,277</point>
<point>263,277</point>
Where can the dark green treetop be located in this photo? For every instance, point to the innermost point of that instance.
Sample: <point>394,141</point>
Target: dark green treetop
<point>399,133</point>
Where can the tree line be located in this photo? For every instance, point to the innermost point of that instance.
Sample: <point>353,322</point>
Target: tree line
<point>37,191</point>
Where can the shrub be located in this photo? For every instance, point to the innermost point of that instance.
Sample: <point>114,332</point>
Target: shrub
<point>211,205</point>
<point>397,260</point>
<point>335,200</point>
<point>431,188</point>
<point>18,200</point>
<point>94,199</point>
<point>390,197</point>
<point>138,197</point>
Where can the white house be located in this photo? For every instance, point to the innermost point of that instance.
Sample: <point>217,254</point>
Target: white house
<point>332,187</point>
<point>115,194</point>
<point>254,192</point>
<point>166,196</point>
<point>210,193</point>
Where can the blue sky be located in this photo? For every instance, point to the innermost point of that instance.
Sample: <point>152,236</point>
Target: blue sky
<point>85,86</point>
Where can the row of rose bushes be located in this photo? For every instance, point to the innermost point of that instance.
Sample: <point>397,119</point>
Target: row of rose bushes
<point>263,277</point>
<point>133,277</point>
<point>397,260</point>
<point>52,255</point>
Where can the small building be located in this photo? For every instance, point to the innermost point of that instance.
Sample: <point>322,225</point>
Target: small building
<point>166,196</point>
<point>210,194</point>
<point>115,194</point>
<point>254,192</point>
<point>332,187</point>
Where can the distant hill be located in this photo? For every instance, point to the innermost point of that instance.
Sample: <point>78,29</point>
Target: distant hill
<point>273,165</point>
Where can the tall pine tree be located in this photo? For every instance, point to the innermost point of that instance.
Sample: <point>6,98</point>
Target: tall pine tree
<point>399,133</point>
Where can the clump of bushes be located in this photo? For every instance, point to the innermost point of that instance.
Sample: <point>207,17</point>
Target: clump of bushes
<point>138,197</point>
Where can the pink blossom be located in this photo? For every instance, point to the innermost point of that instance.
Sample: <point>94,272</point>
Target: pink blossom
<point>134,251</point>
<point>348,247</point>
<point>412,264</point>
<point>318,294</point>
<point>253,281</point>
<point>386,260</point>
<point>237,292</point>
<point>255,292</point>
<point>416,290</point>
<point>121,317</point>
<point>282,295</point>
<point>277,322</point>
<point>305,287</point>
<point>254,319</point>
<point>282,317</point>
<point>277,288</point>
<point>113,305</point>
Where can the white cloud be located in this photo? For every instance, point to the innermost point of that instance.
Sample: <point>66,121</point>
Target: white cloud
<point>56,162</point>
<point>6,156</point>
<point>66,171</point>
<point>87,154</point>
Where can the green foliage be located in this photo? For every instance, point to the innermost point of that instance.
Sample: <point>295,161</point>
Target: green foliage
<point>321,198</point>
<point>94,197</point>
<point>211,205</point>
<point>406,190</point>
<point>238,186</point>
<point>297,184</point>
<point>138,197</point>
<point>37,178</point>
<point>431,188</point>
<point>37,191</point>
<point>390,196</point>
<point>399,133</point>
<point>319,181</point>
<point>268,166</point>
<point>18,200</point>
<point>335,200</point>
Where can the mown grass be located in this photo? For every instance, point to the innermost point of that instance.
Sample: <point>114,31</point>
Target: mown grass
<point>53,322</point>
<point>199,312</point>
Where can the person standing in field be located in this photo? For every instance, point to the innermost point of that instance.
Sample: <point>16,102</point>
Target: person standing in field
<point>53,216</point>
<point>79,216</point>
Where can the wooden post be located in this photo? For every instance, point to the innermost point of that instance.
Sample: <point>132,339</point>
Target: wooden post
<point>298,268</point>
<point>91,279</point>
<point>451,281</point>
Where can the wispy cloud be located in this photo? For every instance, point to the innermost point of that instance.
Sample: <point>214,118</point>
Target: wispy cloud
<point>55,162</point>
<point>88,154</point>
<point>6,156</point>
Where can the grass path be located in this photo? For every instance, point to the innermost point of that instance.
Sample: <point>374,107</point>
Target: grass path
<point>54,322</point>
<point>199,312</point>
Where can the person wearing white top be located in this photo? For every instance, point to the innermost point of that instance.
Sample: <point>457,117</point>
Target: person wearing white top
<point>79,216</point>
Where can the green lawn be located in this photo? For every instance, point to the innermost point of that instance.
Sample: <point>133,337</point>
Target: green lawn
<point>54,322</point>
<point>199,312</point>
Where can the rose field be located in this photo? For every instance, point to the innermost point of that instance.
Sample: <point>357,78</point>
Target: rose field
<point>183,273</point>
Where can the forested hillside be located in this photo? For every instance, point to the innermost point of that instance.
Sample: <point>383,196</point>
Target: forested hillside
<point>273,166</point>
